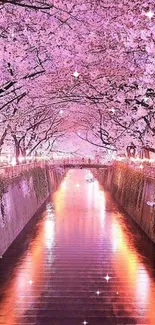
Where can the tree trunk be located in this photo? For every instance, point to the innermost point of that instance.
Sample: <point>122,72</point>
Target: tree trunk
<point>17,147</point>
<point>17,151</point>
<point>149,149</point>
<point>2,139</point>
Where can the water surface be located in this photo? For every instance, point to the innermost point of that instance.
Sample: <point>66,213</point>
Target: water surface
<point>83,262</point>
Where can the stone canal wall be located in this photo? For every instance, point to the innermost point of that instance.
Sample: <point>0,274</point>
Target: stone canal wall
<point>21,197</point>
<point>134,191</point>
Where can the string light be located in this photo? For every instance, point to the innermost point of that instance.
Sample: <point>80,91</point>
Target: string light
<point>137,159</point>
<point>13,162</point>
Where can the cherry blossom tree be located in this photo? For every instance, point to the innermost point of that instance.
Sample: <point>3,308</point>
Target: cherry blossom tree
<point>92,60</point>
<point>123,114</point>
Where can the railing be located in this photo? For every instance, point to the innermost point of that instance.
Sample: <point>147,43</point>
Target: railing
<point>13,171</point>
<point>76,161</point>
<point>10,171</point>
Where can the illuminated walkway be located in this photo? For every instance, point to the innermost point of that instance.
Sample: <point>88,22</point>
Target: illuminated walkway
<point>85,264</point>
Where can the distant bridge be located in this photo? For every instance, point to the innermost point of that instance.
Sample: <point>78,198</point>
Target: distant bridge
<point>79,163</point>
<point>9,171</point>
<point>83,165</point>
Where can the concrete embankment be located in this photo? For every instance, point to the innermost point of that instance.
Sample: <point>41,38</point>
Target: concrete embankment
<point>21,197</point>
<point>133,190</point>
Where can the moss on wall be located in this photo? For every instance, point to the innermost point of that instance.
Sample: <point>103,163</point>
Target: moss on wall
<point>39,182</point>
<point>133,189</point>
<point>130,183</point>
<point>3,186</point>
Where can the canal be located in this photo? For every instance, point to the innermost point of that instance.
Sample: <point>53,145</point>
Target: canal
<point>80,260</point>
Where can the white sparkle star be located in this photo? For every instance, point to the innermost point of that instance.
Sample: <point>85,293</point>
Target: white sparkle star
<point>107,277</point>
<point>77,185</point>
<point>98,292</point>
<point>30,282</point>
<point>145,99</point>
<point>75,74</point>
<point>85,323</point>
<point>149,14</point>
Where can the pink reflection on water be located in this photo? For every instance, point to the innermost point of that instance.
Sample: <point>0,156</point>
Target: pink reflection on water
<point>87,236</point>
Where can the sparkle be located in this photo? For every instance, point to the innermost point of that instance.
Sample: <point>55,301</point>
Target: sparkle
<point>107,277</point>
<point>145,99</point>
<point>151,204</point>
<point>64,185</point>
<point>98,292</point>
<point>75,74</point>
<point>61,112</point>
<point>85,323</point>
<point>30,282</point>
<point>117,293</point>
<point>77,185</point>
<point>149,14</point>
<point>1,256</point>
